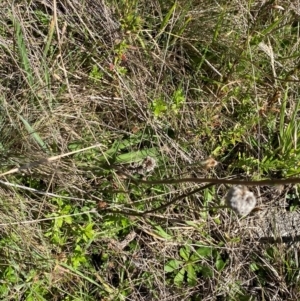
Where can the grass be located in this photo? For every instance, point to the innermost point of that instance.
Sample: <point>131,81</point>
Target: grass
<point>177,81</point>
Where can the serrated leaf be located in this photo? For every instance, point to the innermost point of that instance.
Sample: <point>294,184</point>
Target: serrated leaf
<point>136,156</point>
<point>191,275</point>
<point>185,253</point>
<point>172,265</point>
<point>204,252</point>
<point>59,222</point>
<point>68,220</point>
<point>179,278</point>
<point>254,267</point>
<point>88,231</point>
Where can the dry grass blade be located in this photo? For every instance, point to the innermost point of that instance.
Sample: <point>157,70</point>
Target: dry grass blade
<point>47,160</point>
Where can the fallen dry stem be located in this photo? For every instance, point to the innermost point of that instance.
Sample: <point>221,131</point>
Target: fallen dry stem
<point>163,181</point>
<point>216,181</point>
<point>46,160</point>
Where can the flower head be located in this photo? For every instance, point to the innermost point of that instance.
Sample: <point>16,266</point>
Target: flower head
<point>240,200</point>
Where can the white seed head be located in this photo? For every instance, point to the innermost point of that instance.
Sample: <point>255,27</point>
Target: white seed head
<point>240,200</point>
<point>149,164</point>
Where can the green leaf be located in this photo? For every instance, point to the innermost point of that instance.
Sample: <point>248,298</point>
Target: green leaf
<point>206,271</point>
<point>172,265</point>
<point>166,19</point>
<point>217,220</point>
<point>254,267</point>
<point>34,134</point>
<point>204,252</point>
<point>88,231</point>
<point>59,222</point>
<point>162,233</point>
<point>136,156</point>
<point>191,275</point>
<point>185,253</point>
<point>178,99</point>
<point>192,223</point>
<point>68,220</point>
<point>23,53</point>
<point>159,106</point>
<point>66,210</point>
<point>179,278</point>
<point>220,264</point>
<point>49,37</point>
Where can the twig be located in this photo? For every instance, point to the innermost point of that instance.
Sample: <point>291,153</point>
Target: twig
<point>216,181</point>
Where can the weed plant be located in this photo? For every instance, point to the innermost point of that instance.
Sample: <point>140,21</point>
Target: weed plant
<point>177,81</point>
